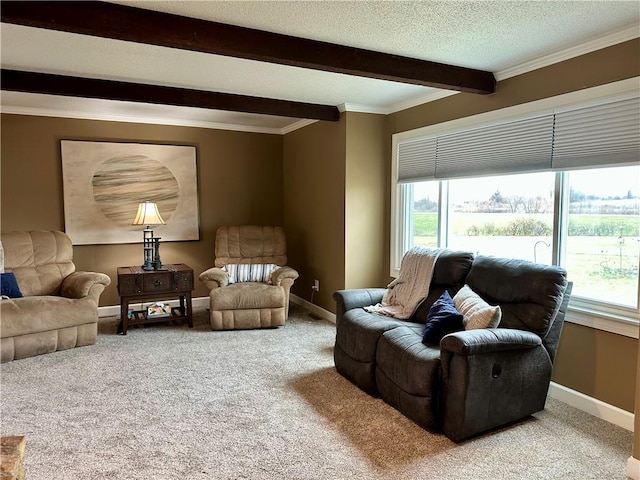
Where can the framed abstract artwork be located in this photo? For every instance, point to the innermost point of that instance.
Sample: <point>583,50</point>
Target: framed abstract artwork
<point>104,182</point>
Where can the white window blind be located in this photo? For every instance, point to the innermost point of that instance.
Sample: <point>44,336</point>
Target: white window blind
<point>417,160</point>
<point>521,146</point>
<point>596,135</point>
<point>599,135</point>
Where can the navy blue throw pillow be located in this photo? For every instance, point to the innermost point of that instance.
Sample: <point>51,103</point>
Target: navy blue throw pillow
<point>443,318</point>
<point>10,285</point>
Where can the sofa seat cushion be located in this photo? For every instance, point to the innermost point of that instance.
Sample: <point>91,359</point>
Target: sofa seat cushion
<point>247,318</point>
<point>27,315</point>
<point>360,331</point>
<point>410,364</point>
<point>248,295</point>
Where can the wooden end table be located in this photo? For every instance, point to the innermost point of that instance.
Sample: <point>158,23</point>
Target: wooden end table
<point>138,285</point>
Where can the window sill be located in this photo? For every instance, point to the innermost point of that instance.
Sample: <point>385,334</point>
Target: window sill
<point>607,322</point>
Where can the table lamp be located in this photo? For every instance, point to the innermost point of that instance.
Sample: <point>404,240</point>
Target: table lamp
<point>148,215</point>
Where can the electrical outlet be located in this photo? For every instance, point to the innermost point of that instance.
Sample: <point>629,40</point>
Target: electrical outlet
<point>316,285</point>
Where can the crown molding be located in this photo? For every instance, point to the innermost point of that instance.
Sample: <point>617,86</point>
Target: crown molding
<point>58,113</point>
<point>353,107</point>
<point>432,96</point>
<point>414,102</point>
<point>599,43</point>
<point>295,126</point>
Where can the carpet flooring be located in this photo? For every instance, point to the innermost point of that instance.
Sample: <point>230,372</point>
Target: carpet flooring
<point>169,402</point>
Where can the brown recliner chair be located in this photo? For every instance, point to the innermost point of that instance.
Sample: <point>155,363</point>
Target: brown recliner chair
<point>250,283</point>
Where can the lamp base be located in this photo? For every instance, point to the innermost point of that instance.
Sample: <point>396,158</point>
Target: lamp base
<point>157,263</point>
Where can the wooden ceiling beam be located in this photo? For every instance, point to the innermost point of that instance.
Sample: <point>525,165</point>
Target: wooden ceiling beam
<point>139,25</point>
<point>45,83</point>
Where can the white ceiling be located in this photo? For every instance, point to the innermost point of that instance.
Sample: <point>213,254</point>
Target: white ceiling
<point>505,37</point>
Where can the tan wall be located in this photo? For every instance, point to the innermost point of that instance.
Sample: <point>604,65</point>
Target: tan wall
<point>239,182</point>
<point>367,188</point>
<point>596,363</point>
<point>636,430</point>
<point>603,66</point>
<point>335,183</point>
<point>314,208</point>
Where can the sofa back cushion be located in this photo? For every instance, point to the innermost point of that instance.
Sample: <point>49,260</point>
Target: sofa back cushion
<point>449,273</point>
<point>528,293</point>
<point>250,244</point>
<point>40,260</point>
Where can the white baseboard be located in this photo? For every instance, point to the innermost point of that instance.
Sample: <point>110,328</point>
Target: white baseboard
<point>593,406</point>
<point>112,310</point>
<point>203,302</point>
<point>633,468</point>
<point>315,309</point>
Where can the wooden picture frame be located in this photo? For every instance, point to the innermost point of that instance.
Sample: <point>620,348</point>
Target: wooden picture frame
<point>104,182</point>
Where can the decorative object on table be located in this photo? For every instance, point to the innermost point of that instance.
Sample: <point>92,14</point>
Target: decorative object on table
<point>148,215</point>
<point>158,310</point>
<point>104,182</point>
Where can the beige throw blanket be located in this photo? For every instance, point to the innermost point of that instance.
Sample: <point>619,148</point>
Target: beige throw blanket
<point>405,293</point>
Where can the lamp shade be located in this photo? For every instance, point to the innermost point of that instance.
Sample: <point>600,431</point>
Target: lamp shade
<point>148,214</point>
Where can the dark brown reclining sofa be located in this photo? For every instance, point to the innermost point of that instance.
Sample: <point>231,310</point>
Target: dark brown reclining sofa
<point>474,380</point>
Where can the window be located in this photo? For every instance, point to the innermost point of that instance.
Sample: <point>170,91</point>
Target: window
<point>514,216</point>
<point>556,181</point>
<point>424,214</point>
<point>507,216</point>
<point>602,251</point>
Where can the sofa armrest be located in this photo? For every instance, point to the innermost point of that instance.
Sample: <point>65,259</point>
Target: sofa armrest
<point>214,277</point>
<point>84,284</point>
<point>357,298</point>
<point>488,340</point>
<point>284,276</point>
<point>490,378</point>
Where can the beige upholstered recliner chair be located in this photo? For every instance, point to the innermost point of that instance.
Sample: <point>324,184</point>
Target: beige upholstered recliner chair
<point>56,307</point>
<point>250,283</point>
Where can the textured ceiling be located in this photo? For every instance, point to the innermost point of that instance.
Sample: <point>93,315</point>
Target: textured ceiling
<point>478,34</point>
<point>495,36</point>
